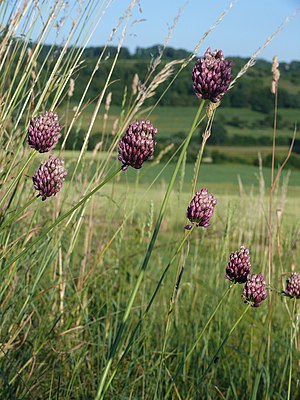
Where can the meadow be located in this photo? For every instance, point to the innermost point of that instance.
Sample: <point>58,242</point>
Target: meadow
<point>110,287</point>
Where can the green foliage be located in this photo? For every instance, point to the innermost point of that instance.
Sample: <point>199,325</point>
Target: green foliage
<point>95,282</point>
<point>294,161</point>
<point>253,91</point>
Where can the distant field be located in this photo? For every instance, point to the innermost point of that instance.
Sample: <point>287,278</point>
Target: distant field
<point>174,120</point>
<point>224,177</point>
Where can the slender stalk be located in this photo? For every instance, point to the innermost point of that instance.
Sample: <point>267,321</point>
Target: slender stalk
<point>18,213</point>
<point>274,134</point>
<point>267,323</point>
<point>270,222</point>
<point>142,318</point>
<point>168,324</point>
<point>207,323</point>
<point>100,392</point>
<point>182,364</point>
<point>198,163</point>
<point>31,155</point>
<point>211,110</point>
<point>262,350</point>
<point>224,341</point>
<point>291,348</point>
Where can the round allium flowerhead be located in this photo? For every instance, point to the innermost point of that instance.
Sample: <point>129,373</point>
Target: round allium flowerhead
<point>293,285</point>
<point>49,177</point>
<point>212,76</point>
<point>44,131</point>
<point>238,266</point>
<point>137,145</point>
<point>201,209</point>
<point>255,290</point>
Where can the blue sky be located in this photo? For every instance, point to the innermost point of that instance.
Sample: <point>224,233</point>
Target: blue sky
<point>242,31</point>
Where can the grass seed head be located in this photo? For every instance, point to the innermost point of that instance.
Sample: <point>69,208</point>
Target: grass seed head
<point>275,74</point>
<point>201,209</point>
<point>212,76</point>
<point>239,266</point>
<point>44,131</point>
<point>49,177</point>
<point>137,145</point>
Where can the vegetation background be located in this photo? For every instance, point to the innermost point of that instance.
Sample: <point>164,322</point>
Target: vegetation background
<point>102,294</point>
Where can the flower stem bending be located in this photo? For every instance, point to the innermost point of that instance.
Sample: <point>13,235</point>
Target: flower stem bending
<point>185,238</point>
<point>224,341</point>
<point>100,392</point>
<point>183,363</point>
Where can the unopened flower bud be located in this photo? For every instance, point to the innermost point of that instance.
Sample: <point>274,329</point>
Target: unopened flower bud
<point>293,286</point>
<point>44,131</point>
<point>49,177</point>
<point>254,290</point>
<point>238,266</point>
<point>212,76</point>
<point>137,145</point>
<point>201,209</point>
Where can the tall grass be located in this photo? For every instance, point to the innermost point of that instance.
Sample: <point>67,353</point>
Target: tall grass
<point>103,293</point>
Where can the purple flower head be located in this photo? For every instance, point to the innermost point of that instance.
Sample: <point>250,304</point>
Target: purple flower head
<point>293,286</point>
<point>137,145</point>
<point>254,290</point>
<point>239,266</point>
<point>201,209</point>
<point>44,131</point>
<point>212,76</point>
<point>49,177</point>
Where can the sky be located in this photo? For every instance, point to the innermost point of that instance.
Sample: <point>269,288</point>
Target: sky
<point>245,29</point>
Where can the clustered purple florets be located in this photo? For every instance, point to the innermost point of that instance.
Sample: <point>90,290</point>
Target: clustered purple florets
<point>44,131</point>
<point>239,266</point>
<point>212,76</point>
<point>293,286</point>
<point>238,271</point>
<point>254,290</point>
<point>49,177</point>
<point>201,209</point>
<point>137,145</point>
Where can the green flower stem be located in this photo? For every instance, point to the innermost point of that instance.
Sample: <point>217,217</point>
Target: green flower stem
<point>130,342</point>
<point>31,155</point>
<point>116,342</point>
<point>62,217</point>
<point>18,213</point>
<point>224,341</point>
<point>198,163</point>
<point>182,364</point>
<point>168,322</point>
<point>205,136</point>
<point>259,367</point>
<point>207,323</point>
<point>293,330</point>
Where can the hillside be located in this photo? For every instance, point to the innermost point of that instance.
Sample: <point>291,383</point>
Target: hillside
<point>252,91</point>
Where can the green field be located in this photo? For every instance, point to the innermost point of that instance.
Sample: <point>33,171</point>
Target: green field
<point>227,177</point>
<point>173,120</point>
